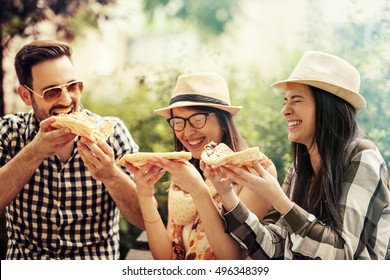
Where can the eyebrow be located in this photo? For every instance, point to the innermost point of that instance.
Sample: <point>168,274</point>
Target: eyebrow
<point>294,97</point>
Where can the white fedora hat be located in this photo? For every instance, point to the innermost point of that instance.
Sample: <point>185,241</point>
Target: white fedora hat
<point>330,73</point>
<point>200,89</point>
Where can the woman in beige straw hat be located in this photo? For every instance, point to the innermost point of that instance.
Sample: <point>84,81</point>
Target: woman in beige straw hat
<point>199,112</point>
<point>334,202</point>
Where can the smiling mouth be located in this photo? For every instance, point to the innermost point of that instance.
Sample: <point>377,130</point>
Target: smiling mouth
<point>59,111</point>
<point>293,124</point>
<point>195,142</point>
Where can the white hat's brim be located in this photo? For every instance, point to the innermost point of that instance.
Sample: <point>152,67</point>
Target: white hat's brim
<point>166,111</point>
<point>354,98</point>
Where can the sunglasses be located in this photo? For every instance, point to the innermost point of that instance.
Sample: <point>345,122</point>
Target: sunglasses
<point>52,94</point>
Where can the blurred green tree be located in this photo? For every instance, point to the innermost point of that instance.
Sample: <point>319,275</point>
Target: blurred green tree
<point>366,46</point>
<point>208,16</point>
<point>20,19</point>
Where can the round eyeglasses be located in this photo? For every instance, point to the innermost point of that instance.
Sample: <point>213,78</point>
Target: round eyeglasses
<point>52,94</point>
<point>197,120</point>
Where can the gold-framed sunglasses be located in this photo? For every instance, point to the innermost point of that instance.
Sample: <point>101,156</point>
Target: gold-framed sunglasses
<point>52,94</point>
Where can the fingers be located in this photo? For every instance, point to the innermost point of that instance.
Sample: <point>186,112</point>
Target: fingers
<point>259,168</point>
<point>147,174</point>
<point>131,167</point>
<point>154,179</point>
<point>45,125</point>
<point>202,165</point>
<point>93,150</point>
<point>170,165</point>
<point>206,170</point>
<point>56,136</point>
<point>86,155</point>
<point>105,148</point>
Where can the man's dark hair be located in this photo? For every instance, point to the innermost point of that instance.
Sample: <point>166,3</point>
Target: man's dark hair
<point>35,53</point>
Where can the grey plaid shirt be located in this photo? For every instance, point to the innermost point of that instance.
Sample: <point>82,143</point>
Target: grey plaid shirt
<point>62,212</point>
<point>365,206</point>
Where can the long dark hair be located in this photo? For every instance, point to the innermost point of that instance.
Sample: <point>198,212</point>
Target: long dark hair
<point>231,137</point>
<point>336,128</point>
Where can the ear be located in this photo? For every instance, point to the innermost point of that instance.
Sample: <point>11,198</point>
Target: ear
<point>24,94</point>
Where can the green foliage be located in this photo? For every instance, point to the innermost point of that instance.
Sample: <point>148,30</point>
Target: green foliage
<point>17,17</point>
<point>366,46</point>
<point>209,16</point>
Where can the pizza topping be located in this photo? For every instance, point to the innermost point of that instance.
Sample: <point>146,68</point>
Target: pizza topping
<point>217,151</point>
<point>220,154</point>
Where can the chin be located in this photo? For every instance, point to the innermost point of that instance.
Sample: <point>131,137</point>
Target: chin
<point>196,155</point>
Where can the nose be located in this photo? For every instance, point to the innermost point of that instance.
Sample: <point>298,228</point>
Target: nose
<point>65,97</point>
<point>188,129</point>
<point>286,110</point>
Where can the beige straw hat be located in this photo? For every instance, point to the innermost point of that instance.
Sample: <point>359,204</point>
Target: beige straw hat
<point>200,89</point>
<point>330,73</point>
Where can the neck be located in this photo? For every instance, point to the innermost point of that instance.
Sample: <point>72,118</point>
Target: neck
<point>65,152</point>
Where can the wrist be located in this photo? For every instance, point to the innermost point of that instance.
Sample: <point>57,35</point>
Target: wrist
<point>116,177</point>
<point>230,200</point>
<point>200,191</point>
<point>31,154</point>
<point>283,205</point>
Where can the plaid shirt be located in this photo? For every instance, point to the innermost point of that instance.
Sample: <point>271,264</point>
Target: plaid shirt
<point>364,204</point>
<point>62,212</point>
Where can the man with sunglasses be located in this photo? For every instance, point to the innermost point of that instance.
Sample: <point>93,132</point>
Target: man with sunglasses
<point>62,193</point>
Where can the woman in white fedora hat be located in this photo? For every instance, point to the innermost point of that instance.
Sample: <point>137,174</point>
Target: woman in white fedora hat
<point>199,112</point>
<point>334,202</point>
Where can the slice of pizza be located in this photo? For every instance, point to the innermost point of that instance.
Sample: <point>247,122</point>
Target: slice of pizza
<point>142,158</point>
<point>220,154</point>
<point>84,125</point>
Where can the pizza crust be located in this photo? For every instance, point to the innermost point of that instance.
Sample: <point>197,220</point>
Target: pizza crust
<point>220,154</point>
<point>81,124</point>
<point>142,158</point>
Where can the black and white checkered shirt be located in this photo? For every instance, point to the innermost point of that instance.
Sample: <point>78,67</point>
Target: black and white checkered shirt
<point>365,209</point>
<point>62,212</point>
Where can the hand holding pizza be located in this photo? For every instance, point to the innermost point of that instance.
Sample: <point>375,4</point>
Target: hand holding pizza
<point>145,176</point>
<point>183,174</point>
<point>219,160</point>
<point>260,182</point>
<point>221,182</point>
<point>220,155</point>
<point>81,124</point>
<point>147,170</point>
<point>49,141</point>
<point>99,159</point>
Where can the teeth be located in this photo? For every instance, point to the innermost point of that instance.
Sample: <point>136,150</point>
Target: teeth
<point>58,112</point>
<point>293,123</point>
<point>192,143</point>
